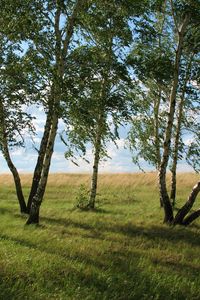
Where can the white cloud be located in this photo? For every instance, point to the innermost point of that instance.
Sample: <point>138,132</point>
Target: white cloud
<point>121,161</point>
<point>17,152</point>
<point>184,167</point>
<point>188,141</point>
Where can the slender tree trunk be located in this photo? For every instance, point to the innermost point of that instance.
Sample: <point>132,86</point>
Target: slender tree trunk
<point>168,210</point>
<point>16,177</point>
<point>158,101</point>
<point>175,156</point>
<point>179,218</point>
<point>6,154</point>
<point>97,143</point>
<point>38,197</point>
<point>93,191</point>
<point>178,134</point>
<point>156,132</point>
<point>173,183</point>
<point>40,160</point>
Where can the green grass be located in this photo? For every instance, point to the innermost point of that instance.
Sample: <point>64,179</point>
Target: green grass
<point>121,251</point>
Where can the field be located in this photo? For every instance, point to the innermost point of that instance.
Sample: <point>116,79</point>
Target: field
<point>120,251</point>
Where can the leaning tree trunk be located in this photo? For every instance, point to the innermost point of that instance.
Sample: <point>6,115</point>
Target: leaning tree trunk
<point>13,169</point>
<point>93,190</point>
<point>168,210</point>
<point>40,160</point>
<point>16,177</point>
<point>38,197</point>
<point>181,217</point>
<point>192,217</point>
<point>178,134</point>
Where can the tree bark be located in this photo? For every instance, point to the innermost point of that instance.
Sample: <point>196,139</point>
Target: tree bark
<point>188,220</point>
<point>16,177</point>
<point>97,149</point>
<point>156,127</point>
<point>168,210</point>
<point>38,197</point>
<point>158,101</point>
<point>178,134</point>
<point>156,133</point>
<point>13,169</point>
<point>175,156</point>
<point>40,160</point>
<point>179,218</point>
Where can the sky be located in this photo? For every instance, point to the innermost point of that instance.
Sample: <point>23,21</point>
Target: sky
<point>120,162</point>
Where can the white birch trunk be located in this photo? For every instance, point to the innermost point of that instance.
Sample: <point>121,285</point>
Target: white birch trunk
<point>168,211</point>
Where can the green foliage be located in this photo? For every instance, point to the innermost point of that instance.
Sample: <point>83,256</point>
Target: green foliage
<point>183,7</point>
<point>152,61</point>
<point>98,90</point>
<point>14,96</point>
<point>193,153</point>
<point>82,197</point>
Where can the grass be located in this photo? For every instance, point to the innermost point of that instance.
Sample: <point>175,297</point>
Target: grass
<point>120,251</point>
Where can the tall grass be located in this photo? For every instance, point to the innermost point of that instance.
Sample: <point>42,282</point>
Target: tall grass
<point>120,251</point>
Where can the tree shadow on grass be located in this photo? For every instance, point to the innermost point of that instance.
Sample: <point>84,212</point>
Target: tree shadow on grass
<point>96,210</point>
<point>194,225</point>
<point>118,261</point>
<point>170,234</point>
<point>5,210</point>
<point>12,211</point>
<point>178,267</point>
<point>66,223</point>
<point>112,275</point>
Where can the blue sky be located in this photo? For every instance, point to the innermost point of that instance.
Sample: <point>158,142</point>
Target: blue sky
<point>121,161</point>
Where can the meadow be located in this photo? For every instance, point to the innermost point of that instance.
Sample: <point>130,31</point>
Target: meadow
<point>120,251</point>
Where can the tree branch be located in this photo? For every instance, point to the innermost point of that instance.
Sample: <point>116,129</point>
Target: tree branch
<point>189,219</point>
<point>179,218</point>
<point>70,26</point>
<point>174,16</point>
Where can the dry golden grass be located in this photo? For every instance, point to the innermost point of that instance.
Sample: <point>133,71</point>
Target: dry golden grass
<point>119,179</point>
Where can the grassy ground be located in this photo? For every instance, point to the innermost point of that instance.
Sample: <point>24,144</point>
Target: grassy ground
<point>121,251</point>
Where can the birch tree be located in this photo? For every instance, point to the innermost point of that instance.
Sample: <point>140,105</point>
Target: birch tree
<point>186,121</point>
<point>100,105</point>
<point>56,35</point>
<point>184,19</point>
<point>151,62</point>
<point>104,83</point>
